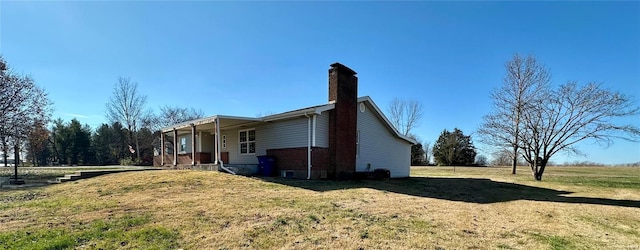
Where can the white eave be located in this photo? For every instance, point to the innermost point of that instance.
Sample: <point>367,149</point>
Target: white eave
<point>306,111</point>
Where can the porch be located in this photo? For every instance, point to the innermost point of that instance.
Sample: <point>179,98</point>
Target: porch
<point>200,142</point>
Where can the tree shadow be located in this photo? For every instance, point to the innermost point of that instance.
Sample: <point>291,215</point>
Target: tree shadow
<point>473,190</point>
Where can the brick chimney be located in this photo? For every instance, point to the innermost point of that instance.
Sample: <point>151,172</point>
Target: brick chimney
<point>343,90</point>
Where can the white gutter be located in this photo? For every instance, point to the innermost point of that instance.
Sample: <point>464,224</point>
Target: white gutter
<point>308,146</point>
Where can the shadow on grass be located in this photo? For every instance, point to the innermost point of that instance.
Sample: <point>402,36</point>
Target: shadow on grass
<point>474,190</point>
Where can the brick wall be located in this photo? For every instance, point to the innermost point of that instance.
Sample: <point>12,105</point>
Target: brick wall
<point>295,159</point>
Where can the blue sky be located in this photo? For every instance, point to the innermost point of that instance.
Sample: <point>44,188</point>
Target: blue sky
<point>260,57</point>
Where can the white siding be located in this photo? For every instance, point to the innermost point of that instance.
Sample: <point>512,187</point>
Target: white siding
<point>207,143</point>
<point>291,133</point>
<point>380,147</point>
<point>322,130</point>
<point>179,142</point>
<point>234,149</point>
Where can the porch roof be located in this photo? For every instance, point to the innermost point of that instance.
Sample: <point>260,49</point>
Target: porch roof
<point>208,123</point>
<point>227,122</point>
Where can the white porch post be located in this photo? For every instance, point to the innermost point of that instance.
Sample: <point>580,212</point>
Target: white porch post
<point>175,147</point>
<point>162,150</point>
<point>215,147</point>
<point>193,144</point>
<point>218,141</point>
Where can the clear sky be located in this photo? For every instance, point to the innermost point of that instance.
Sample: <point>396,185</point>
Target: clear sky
<point>253,58</point>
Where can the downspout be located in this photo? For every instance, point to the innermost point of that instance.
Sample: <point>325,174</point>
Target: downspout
<point>308,146</point>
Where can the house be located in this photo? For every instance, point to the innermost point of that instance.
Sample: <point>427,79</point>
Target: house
<point>333,140</point>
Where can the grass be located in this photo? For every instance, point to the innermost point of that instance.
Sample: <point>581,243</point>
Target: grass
<point>486,208</point>
<point>127,231</point>
<point>40,175</point>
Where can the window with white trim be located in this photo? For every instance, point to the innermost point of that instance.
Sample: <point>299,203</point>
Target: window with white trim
<point>224,141</point>
<point>247,141</point>
<point>183,144</point>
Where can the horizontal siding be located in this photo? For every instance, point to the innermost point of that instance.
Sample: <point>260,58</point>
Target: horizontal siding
<point>322,130</point>
<point>291,133</point>
<point>233,147</point>
<point>281,134</point>
<point>380,147</point>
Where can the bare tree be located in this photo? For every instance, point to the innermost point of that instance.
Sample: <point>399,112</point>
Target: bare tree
<point>22,103</point>
<point>501,157</point>
<point>170,115</point>
<point>126,106</point>
<point>524,83</point>
<point>405,114</point>
<point>571,114</point>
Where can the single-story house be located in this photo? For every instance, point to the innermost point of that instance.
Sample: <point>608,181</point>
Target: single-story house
<point>348,134</point>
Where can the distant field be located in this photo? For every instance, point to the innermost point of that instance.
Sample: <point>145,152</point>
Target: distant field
<point>485,208</point>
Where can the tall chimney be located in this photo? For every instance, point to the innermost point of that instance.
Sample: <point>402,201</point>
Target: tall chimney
<point>343,90</point>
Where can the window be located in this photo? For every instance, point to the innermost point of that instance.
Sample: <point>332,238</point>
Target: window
<point>183,144</point>
<point>247,141</point>
<point>224,141</point>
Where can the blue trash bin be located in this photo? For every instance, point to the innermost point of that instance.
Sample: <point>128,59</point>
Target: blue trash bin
<point>266,163</point>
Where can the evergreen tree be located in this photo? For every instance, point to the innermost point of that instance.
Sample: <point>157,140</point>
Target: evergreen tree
<point>454,148</point>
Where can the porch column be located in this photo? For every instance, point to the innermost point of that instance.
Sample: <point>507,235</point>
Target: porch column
<point>162,149</point>
<point>175,146</point>
<point>193,144</point>
<point>218,140</point>
<point>215,147</point>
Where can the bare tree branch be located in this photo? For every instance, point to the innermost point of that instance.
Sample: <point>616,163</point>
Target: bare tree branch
<point>126,106</point>
<point>405,114</point>
<point>571,114</point>
<point>525,82</point>
<point>22,104</point>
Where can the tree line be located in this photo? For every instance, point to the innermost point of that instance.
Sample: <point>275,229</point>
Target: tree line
<point>70,143</point>
<point>531,121</point>
<point>129,138</point>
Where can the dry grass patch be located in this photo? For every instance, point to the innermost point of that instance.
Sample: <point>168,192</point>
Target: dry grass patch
<point>484,208</point>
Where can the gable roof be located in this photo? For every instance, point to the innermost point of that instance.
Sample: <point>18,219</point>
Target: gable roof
<point>384,119</point>
<point>318,109</point>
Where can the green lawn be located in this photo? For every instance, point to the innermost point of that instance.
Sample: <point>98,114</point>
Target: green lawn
<point>485,208</point>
